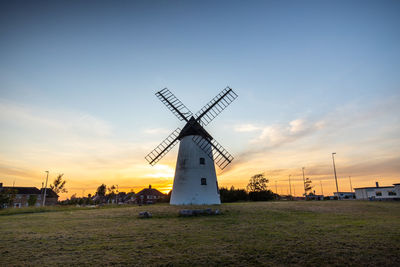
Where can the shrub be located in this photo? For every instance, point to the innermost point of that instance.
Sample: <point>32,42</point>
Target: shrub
<point>32,200</point>
<point>263,195</point>
<point>232,195</point>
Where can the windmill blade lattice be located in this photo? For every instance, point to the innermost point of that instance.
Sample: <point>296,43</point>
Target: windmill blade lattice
<point>215,106</point>
<point>214,150</point>
<point>174,104</point>
<point>162,149</point>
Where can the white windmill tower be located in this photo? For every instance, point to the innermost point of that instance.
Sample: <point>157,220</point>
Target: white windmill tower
<point>195,179</point>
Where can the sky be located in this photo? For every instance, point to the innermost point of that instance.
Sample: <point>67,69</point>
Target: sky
<point>78,78</point>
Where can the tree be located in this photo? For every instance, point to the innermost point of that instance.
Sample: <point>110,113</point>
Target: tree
<point>32,200</point>
<point>111,196</point>
<point>7,197</point>
<point>166,198</point>
<point>308,185</point>
<point>111,190</point>
<point>101,190</point>
<point>257,188</point>
<point>4,198</point>
<point>58,185</point>
<point>257,183</point>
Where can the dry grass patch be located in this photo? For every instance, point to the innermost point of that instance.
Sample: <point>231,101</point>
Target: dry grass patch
<point>253,233</point>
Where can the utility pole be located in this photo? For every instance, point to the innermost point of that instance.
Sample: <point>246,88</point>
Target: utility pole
<point>304,183</point>
<point>322,189</point>
<point>351,187</point>
<point>334,170</point>
<point>276,188</point>
<point>290,185</point>
<point>44,196</point>
<point>294,191</point>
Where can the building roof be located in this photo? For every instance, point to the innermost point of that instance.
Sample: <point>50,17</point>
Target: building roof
<point>129,195</point>
<point>50,192</point>
<point>150,191</point>
<point>23,190</point>
<point>30,191</point>
<point>192,127</point>
<point>374,187</point>
<point>344,192</point>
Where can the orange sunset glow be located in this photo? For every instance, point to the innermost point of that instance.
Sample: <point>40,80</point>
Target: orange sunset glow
<point>78,98</point>
<point>200,133</point>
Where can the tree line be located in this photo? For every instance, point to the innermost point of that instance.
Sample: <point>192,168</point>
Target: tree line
<point>103,194</point>
<point>256,190</point>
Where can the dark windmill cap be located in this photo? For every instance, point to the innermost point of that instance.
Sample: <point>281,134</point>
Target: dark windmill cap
<point>192,127</point>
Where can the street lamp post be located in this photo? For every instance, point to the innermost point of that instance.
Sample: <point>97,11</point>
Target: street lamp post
<point>334,170</point>
<point>322,189</point>
<point>44,195</point>
<point>351,186</point>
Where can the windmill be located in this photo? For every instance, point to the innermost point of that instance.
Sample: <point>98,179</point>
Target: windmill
<point>195,180</point>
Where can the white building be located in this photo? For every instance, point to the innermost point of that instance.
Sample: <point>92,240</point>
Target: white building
<point>195,179</point>
<point>378,192</point>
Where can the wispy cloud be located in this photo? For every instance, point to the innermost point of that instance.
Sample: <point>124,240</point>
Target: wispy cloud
<point>246,128</point>
<point>59,140</point>
<point>356,113</point>
<point>65,121</point>
<point>87,149</point>
<point>353,130</point>
<point>161,171</point>
<point>280,134</point>
<point>156,131</point>
<point>14,171</point>
<point>368,167</point>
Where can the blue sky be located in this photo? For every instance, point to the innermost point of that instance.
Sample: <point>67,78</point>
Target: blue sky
<point>77,80</point>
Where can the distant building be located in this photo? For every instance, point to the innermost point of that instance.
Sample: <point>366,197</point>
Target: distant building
<point>149,196</point>
<point>378,192</point>
<point>130,198</point>
<point>99,199</point>
<point>51,197</point>
<point>119,198</point>
<point>345,195</point>
<point>23,195</point>
<point>285,197</point>
<point>314,197</point>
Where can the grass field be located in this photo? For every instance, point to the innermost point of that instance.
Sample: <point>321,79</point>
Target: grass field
<point>255,233</point>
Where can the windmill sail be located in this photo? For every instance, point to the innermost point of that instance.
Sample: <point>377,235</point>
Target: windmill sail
<point>215,106</point>
<point>162,149</point>
<point>214,150</point>
<point>174,104</point>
